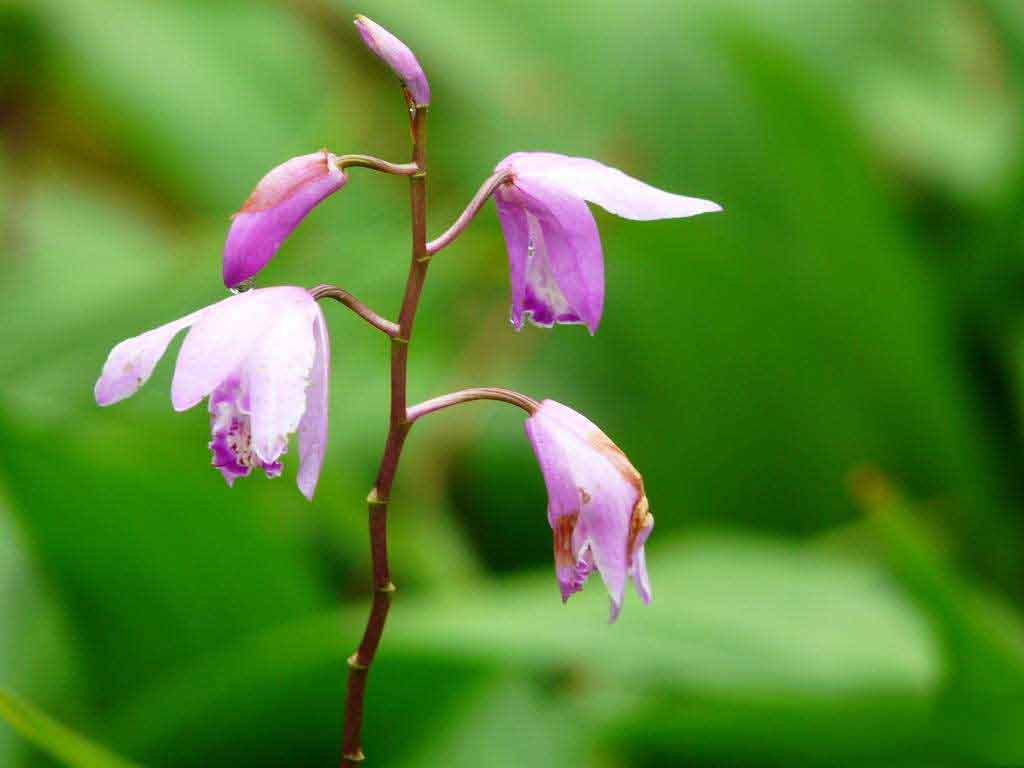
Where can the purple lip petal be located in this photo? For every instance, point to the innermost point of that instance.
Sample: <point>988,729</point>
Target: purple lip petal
<point>396,55</point>
<point>555,258</point>
<point>597,508</point>
<point>279,202</point>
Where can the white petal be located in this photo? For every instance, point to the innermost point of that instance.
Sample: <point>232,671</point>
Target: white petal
<point>223,338</point>
<point>313,427</point>
<point>131,363</point>
<point>277,375</point>
<point>608,187</point>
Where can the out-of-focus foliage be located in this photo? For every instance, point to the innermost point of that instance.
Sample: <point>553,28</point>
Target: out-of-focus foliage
<point>822,387</point>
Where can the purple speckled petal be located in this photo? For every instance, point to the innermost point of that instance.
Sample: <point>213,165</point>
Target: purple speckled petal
<point>131,363</point>
<point>280,201</point>
<point>313,427</point>
<point>224,336</point>
<point>396,55</point>
<point>231,430</point>
<point>596,505</point>
<point>557,266</point>
<point>608,187</point>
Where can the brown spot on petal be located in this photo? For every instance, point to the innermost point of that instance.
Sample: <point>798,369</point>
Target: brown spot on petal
<point>584,496</point>
<point>564,526</point>
<point>601,443</point>
<point>641,517</point>
<point>640,520</point>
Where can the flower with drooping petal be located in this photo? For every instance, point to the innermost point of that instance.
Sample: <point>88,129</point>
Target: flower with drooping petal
<point>554,250</point>
<point>276,206</point>
<point>262,357</point>
<point>597,508</point>
<point>396,55</point>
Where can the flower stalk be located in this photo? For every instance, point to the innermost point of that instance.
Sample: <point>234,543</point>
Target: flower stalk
<point>344,297</point>
<point>376,164</point>
<point>482,195</point>
<point>377,502</point>
<point>500,394</point>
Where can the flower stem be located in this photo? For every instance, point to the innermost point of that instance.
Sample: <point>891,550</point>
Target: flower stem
<point>350,301</point>
<point>528,404</point>
<point>376,164</point>
<point>472,209</point>
<point>377,501</point>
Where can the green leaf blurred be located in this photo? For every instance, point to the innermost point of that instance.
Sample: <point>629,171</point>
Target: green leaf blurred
<point>52,737</point>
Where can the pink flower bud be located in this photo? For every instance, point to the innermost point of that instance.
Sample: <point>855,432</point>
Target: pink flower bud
<point>280,201</point>
<point>396,55</point>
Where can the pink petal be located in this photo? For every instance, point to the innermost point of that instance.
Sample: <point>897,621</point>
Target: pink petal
<point>608,187</point>
<point>313,427</point>
<point>517,241</point>
<point>277,374</point>
<point>396,55</point>
<point>131,363</point>
<point>595,495</point>
<point>563,264</point>
<point>279,202</point>
<point>223,338</point>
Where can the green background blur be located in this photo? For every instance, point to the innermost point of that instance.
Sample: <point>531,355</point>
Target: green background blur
<point>822,387</point>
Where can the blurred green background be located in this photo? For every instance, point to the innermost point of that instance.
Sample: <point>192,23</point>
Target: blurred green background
<point>822,386</point>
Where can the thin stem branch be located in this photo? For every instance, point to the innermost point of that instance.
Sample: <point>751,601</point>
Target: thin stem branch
<point>350,301</point>
<point>528,404</point>
<point>377,501</point>
<point>486,190</point>
<point>375,163</point>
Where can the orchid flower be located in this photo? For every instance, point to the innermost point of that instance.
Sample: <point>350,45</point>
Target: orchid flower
<point>279,202</point>
<point>262,357</point>
<point>396,55</point>
<point>554,250</point>
<point>597,508</point>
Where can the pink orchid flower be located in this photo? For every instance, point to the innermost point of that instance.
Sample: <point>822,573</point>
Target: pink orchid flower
<point>554,250</point>
<point>279,202</point>
<point>396,55</point>
<point>597,507</point>
<point>262,358</point>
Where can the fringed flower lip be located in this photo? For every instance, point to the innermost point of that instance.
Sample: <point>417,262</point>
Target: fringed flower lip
<point>556,263</point>
<point>280,201</point>
<point>597,508</point>
<point>262,358</point>
<point>398,56</point>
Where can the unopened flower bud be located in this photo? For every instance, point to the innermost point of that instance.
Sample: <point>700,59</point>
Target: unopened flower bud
<point>396,55</point>
<point>280,201</point>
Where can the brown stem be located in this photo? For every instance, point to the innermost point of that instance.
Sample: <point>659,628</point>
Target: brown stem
<point>350,301</point>
<point>359,663</point>
<point>375,163</point>
<point>486,190</point>
<point>528,404</point>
